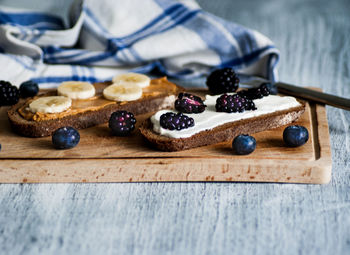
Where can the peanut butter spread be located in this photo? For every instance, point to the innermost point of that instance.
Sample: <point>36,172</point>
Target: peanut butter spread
<point>157,87</point>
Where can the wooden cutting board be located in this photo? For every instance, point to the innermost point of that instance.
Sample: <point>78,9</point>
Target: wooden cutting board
<point>101,157</point>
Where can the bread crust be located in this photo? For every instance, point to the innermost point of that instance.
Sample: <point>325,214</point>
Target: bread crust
<point>31,128</point>
<point>222,133</point>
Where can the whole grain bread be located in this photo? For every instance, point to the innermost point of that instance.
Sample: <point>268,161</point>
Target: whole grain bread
<point>31,128</point>
<point>222,133</point>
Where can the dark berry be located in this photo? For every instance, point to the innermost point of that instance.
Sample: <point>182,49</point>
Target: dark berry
<point>175,121</point>
<point>189,103</point>
<point>255,93</point>
<point>9,95</point>
<point>122,123</point>
<point>249,105</point>
<point>272,88</point>
<point>28,89</point>
<point>65,138</point>
<point>295,136</point>
<point>222,81</point>
<point>233,103</point>
<point>244,144</point>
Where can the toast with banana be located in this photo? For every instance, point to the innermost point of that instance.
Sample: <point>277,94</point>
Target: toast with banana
<point>82,105</point>
<point>221,118</point>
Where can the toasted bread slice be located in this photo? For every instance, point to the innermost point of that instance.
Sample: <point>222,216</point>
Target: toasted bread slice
<point>222,133</point>
<point>159,95</point>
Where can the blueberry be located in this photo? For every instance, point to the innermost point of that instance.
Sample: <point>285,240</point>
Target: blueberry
<point>65,138</point>
<point>295,136</point>
<point>244,144</point>
<point>29,89</point>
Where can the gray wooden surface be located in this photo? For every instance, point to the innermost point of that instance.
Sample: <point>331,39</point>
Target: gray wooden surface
<point>211,218</point>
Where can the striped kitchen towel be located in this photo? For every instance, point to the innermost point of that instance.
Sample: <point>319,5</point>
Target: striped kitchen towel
<point>94,40</point>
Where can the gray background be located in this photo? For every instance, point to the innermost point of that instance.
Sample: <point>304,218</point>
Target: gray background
<point>211,218</point>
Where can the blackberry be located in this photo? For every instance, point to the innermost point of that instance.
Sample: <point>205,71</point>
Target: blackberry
<point>249,105</point>
<point>255,93</point>
<point>173,121</point>
<point>222,81</point>
<point>233,103</point>
<point>189,103</point>
<point>122,123</point>
<point>9,95</point>
<point>272,88</point>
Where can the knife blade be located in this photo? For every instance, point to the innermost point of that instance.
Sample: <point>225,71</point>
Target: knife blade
<point>297,91</point>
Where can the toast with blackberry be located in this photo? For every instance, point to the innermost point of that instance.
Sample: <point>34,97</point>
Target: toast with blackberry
<point>220,119</point>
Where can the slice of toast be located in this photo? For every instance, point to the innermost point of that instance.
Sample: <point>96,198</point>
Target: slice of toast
<point>159,95</point>
<point>224,132</point>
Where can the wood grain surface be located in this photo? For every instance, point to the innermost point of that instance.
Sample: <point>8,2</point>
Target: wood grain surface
<point>130,159</point>
<point>210,218</point>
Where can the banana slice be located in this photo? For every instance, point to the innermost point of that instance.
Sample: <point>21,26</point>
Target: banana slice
<point>52,104</point>
<point>76,90</point>
<point>132,78</point>
<point>122,92</point>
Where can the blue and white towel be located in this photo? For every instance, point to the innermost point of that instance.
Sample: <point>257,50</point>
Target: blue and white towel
<point>100,38</point>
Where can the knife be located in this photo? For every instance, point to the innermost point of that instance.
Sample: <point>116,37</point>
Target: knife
<point>289,89</point>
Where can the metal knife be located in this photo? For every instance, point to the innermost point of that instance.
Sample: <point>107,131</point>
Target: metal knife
<point>297,91</point>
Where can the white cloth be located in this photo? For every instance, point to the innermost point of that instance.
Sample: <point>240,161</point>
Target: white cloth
<point>102,38</point>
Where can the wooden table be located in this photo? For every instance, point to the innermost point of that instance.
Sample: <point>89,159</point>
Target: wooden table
<point>211,218</point>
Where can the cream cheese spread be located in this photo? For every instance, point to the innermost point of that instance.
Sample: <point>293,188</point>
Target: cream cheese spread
<point>210,118</point>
